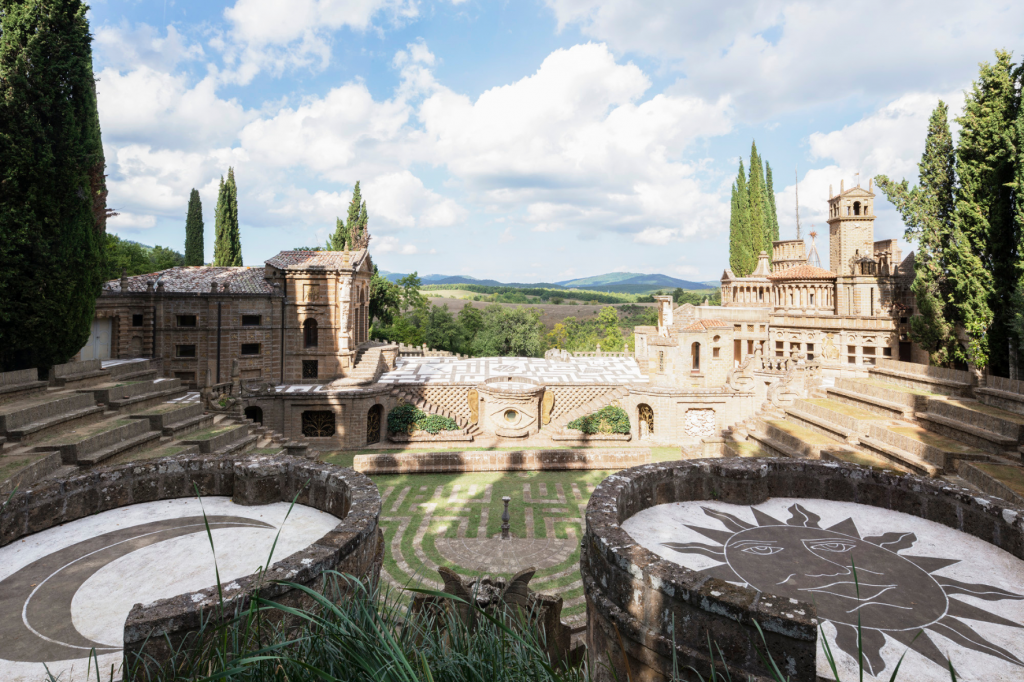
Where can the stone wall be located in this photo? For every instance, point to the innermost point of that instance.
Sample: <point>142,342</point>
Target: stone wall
<point>519,460</point>
<point>354,546</point>
<point>634,596</point>
<point>282,412</point>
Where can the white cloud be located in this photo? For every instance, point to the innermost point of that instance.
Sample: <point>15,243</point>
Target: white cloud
<point>389,244</point>
<point>130,221</point>
<point>126,47</point>
<point>656,235</point>
<point>781,55</point>
<point>400,199</point>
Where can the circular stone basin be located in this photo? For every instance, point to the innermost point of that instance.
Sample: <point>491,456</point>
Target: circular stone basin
<point>912,575</point>
<point>70,588</point>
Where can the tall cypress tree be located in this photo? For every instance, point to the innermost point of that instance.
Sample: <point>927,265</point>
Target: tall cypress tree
<point>773,214</point>
<point>760,231</point>
<point>985,264</point>
<point>227,249</point>
<point>52,189</point>
<point>927,212</point>
<point>194,247</point>
<point>339,241</point>
<point>353,210</point>
<point>1018,219</point>
<point>742,259</point>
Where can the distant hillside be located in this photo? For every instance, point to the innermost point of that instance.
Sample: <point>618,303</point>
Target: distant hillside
<point>607,278</point>
<point>612,282</point>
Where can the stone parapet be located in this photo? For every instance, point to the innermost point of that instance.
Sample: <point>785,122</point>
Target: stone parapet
<point>635,598</point>
<point>517,460</point>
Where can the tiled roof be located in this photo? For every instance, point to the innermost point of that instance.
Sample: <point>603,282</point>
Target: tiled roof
<point>701,325</point>
<point>321,260</point>
<point>802,271</point>
<point>197,280</point>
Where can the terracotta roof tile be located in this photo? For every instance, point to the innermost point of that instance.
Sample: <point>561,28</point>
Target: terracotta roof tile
<point>325,260</point>
<point>701,325</point>
<point>197,280</point>
<point>802,271</point>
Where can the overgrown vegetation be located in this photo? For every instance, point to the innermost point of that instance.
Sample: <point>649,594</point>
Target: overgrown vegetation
<point>608,419</point>
<point>408,418</point>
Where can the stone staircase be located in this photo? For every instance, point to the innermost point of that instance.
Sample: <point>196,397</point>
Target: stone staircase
<point>367,366</point>
<point>466,427</point>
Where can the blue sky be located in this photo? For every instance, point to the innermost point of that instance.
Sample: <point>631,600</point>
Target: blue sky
<point>522,141</point>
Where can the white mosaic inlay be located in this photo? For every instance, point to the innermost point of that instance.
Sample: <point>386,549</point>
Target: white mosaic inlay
<point>614,370</point>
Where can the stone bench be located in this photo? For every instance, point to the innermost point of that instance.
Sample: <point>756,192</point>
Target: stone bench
<point>37,421</point>
<point>946,385</point>
<point>20,384</point>
<point>1004,400</point>
<point>870,402</point>
<point>78,374</point>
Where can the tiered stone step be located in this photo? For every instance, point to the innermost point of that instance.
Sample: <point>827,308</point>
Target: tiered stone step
<point>20,384</point>
<point>173,419</point>
<point>74,375</point>
<point>365,368</point>
<point>22,467</point>
<point>783,438</point>
<point>39,418</point>
<point>836,420</point>
<point>746,448</point>
<point>224,438</point>
<point>951,382</point>
<point>881,397</point>
<point>1002,480</point>
<point>974,423</point>
<point>923,451</point>
<point>90,445</point>
<point>1005,394</point>
<point>134,370</point>
<point>163,447</point>
<point>137,395</point>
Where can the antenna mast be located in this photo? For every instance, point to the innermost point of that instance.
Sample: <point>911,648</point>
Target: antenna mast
<point>796,174</point>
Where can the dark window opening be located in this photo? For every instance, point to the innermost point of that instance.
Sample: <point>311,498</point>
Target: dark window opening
<point>186,378</point>
<point>695,352</point>
<point>250,320</point>
<point>136,320</point>
<point>715,352</point>
<point>319,424</point>
<point>185,351</point>
<point>310,369</point>
<point>373,421</point>
<point>186,320</point>
<point>250,349</point>
<point>887,352</point>
<point>309,334</point>
<point>254,413</point>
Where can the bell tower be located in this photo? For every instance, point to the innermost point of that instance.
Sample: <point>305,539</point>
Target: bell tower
<point>851,222</point>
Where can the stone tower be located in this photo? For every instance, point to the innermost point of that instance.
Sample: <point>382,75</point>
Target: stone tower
<point>851,222</point>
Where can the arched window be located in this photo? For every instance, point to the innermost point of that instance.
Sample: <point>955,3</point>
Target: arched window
<point>254,413</point>
<point>695,352</point>
<point>310,337</point>
<point>645,419</point>
<point>373,421</point>
<point>856,208</point>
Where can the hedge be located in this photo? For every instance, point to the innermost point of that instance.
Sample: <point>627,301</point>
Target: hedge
<point>408,418</point>
<point>606,420</point>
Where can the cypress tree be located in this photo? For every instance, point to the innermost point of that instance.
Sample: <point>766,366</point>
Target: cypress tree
<point>353,210</point>
<point>1018,218</point>
<point>927,212</point>
<point>760,231</point>
<point>742,259</point>
<point>339,241</point>
<point>194,247</point>
<point>773,214</point>
<point>985,265</point>
<point>364,237</point>
<point>227,249</point>
<point>52,188</point>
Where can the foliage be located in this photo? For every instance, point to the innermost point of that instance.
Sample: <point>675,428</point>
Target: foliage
<point>385,299</point>
<point>509,332</point>
<point>407,418</point>
<point>760,225</point>
<point>773,213</point>
<point>441,330</point>
<point>608,419</point>
<point>753,220</point>
<point>411,296</point>
<point>577,295</point>
<point>132,258</point>
<point>194,245</point>
<point>471,320</point>
<point>339,240</point>
<point>927,212</point>
<point>742,260</point>
<point>52,189</point>
<point>227,249</point>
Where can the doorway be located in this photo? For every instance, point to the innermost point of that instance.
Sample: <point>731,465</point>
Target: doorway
<point>373,420</point>
<point>98,345</point>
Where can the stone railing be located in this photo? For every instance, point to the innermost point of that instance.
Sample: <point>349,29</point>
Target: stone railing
<point>407,351</point>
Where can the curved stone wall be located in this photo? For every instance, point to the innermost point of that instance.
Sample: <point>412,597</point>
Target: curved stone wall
<point>355,546</point>
<point>635,597</point>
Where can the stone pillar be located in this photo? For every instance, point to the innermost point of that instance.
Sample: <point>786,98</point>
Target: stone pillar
<point>344,316</point>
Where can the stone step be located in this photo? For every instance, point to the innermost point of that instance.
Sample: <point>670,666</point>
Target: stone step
<point>861,457</point>
<point>994,443</point>
<point>190,425</point>
<point>922,381</point>
<point>982,416</point>
<point>20,384</point>
<point>166,414</point>
<point>217,437</point>
<point>93,444</point>
<point>21,468</point>
<point>891,402</point>
<point>137,395</point>
<point>900,456</point>
<point>925,444</point>
<point>822,426</point>
<point>136,369</point>
<point>75,375</point>
<point>35,420</point>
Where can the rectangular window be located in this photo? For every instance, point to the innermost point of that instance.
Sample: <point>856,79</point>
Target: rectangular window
<point>887,352</point>
<point>310,369</point>
<point>750,328</point>
<point>779,345</point>
<point>186,320</point>
<point>186,377</point>
<point>737,327</point>
<point>184,351</point>
<point>250,349</point>
<point>250,320</point>
<point>136,320</point>
<point>715,352</point>
<point>811,297</point>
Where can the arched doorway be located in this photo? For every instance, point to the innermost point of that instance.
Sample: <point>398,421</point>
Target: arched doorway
<point>695,352</point>
<point>309,334</point>
<point>254,413</point>
<point>373,420</point>
<point>645,420</point>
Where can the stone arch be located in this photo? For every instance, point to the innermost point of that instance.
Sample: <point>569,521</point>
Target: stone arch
<point>645,420</point>
<point>255,413</point>
<point>374,420</point>
<point>310,334</point>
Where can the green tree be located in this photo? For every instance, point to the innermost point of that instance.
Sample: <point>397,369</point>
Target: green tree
<point>760,230</point>
<point>385,299</point>
<point>411,296</point>
<point>773,214</point>
<point>124,257</point>
<point>52,189</point>
<point>194,246</point>
<point>1018,218</point>
<point>927,212</point>
<point>227,249</point>
<point>984,263</point>
<point>440,330</point>
<point>471,320</point>
<point>510,332</point>
<point>339,241</point>
<point>742,259</point>
<point>162,258</point>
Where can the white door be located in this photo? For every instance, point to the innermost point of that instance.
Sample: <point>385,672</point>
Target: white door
<point>98,346</point>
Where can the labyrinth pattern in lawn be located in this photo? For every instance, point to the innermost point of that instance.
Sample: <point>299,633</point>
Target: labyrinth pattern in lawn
<point>546,519</point>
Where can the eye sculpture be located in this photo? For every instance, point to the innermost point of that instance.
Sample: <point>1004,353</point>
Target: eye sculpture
<point>511,415</point>
<point>830,546</point>
<point>762,550</point>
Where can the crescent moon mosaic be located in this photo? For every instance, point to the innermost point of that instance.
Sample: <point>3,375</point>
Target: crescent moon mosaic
<point>920,586</point>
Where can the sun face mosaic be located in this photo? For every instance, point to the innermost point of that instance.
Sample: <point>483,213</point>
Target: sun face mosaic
<point>909,583</point>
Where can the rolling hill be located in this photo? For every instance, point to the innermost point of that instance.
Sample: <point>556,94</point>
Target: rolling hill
<point>613,282</point>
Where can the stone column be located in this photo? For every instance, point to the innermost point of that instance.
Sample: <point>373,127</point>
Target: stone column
<point>344,316</point>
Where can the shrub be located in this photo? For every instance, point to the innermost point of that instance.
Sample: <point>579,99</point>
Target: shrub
<point>408,418</point>
<point>606,420</point>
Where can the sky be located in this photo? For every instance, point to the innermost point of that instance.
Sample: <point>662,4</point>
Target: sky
<point>525,140</point>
